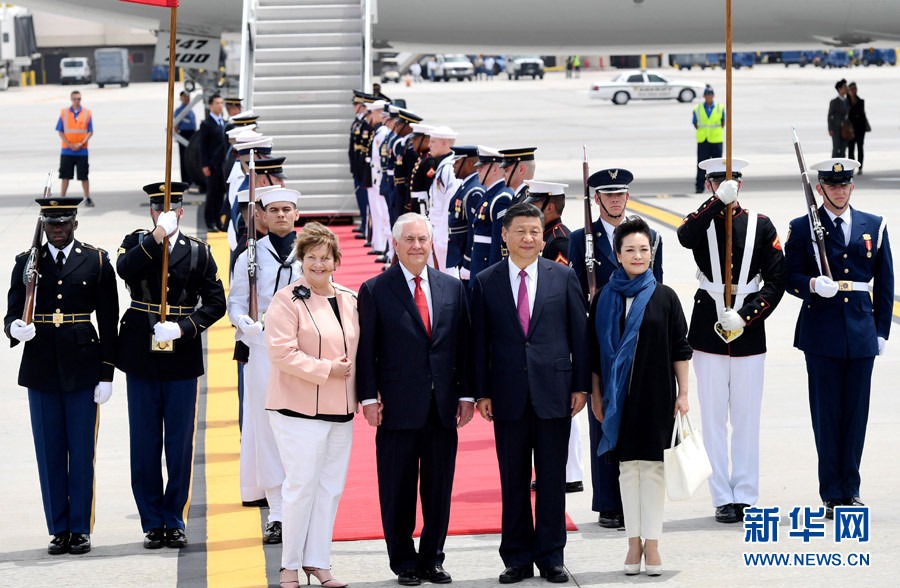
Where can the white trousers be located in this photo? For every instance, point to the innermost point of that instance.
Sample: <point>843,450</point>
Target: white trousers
<point>261,467</point>
<point>574,464</point>
<point>316,457</point>
<point>381,220</point>
<point>643,487</point>
<point>731,388</point>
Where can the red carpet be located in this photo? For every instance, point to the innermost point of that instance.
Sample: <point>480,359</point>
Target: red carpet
<point>475,506</point>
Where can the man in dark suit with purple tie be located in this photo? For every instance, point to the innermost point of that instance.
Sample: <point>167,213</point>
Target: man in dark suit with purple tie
<point>412,380</point>
<point>531,376</point>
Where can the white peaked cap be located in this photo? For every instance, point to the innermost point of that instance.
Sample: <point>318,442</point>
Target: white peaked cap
<point>442,132</point>
<point>541,187</point>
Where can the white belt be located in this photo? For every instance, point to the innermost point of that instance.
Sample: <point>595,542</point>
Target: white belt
<point>743,289</point>
<point>847,286</point>
<point>390,172</point>
<point>481,239</point>
<point>421,195</point>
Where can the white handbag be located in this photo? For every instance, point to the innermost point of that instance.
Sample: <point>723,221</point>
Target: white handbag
<point>685,463</point>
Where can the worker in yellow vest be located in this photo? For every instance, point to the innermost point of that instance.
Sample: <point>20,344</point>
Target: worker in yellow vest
<point>709,120</point>
<point>75,126</point>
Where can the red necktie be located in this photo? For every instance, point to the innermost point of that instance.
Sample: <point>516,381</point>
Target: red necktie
<point>522,303</point>
<point>422,305</point>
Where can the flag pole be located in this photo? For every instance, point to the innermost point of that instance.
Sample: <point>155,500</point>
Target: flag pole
<point>729,115</point>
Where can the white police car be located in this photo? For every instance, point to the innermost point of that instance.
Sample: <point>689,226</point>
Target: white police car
<point>645,85</point>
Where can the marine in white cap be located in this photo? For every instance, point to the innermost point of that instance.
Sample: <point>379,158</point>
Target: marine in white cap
<point>842,327</point>
<point>729,340</point>
<point>260,467</point>
<point>442,189</point>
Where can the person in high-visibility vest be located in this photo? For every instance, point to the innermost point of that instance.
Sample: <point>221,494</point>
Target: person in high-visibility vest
<point>709,120</point>
<point>75,126</point>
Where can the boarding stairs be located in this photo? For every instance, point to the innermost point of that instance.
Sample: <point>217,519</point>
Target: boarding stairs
<point>307,59</point>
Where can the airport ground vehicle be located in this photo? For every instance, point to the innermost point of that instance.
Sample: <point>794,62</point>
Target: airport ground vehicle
<point>111,66</point>
<point>517,67</point>
<point>645,85</point>
<point>75,70</point>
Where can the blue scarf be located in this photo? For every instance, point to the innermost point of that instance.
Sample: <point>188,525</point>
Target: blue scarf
<point>617,349</point>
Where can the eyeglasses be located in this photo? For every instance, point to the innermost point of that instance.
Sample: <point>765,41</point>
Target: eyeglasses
<point>76,99</point>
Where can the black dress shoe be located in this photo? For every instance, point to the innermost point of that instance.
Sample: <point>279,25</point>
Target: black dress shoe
<point>262,503</point>
<point>367,244</point>
<point>381,259</point>
<point>855,501</point>
<point>79,543</point>
<point>739,510</point>
<point>175,538</point>
<point>408,578</point>
<point>574,487</point>
<point>272,534</point>
<point>435,575</point>
<point>726,514</point>
<point>611,520</point>
<point>359,236</point>
<point>829,508</point>
<point>374,252</point>
<point>513,574</point>
<point>59,544</point>
<point>155,538</point>
<point>556,574</point>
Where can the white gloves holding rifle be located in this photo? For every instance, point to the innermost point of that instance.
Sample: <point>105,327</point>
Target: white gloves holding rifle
<point>825,287</point>
<point>102,392</point>
<point>21,331</point>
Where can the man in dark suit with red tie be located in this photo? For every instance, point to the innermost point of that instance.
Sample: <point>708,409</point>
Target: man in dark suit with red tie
<point>412,366</point>
<point>531,373</point>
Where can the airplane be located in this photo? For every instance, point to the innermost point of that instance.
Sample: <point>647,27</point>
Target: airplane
<point>529,26</point>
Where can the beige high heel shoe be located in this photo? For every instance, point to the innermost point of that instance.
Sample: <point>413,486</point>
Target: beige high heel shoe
<point>289,578</point>
<point>324,577</point>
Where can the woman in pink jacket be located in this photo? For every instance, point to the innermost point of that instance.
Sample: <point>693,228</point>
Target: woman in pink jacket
<point>312,329</point>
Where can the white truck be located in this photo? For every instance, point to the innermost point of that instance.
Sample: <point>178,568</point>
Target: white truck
<point>17,43</point>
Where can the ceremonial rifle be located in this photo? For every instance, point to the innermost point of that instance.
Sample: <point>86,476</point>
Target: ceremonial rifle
<point>588,231</point>
<point>252,265</point>
<point>30,276</point>
<point>812,209</point>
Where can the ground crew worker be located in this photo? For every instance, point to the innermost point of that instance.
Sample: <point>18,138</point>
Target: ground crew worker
<point>709,120</point>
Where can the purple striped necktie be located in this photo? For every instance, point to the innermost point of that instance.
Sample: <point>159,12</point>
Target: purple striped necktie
<point>522,303</point>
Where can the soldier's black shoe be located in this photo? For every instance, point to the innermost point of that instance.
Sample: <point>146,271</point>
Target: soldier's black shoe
<point>408,578</point>
<point>272,534</point>
<point>359,236</point>
<point>855,501</point>
<point>262,503</point>
<point>726,514</point>
<point>829,508</point>
<point>59,544</point>
<point>175,538</point>
<point>155,538</point>
<point>374,252</point>
<point>739,510</point>
<point>381,259</point>
<point>435,575</point>
<point>611,520</point>
<point>574,487</point>
<point>555,574</point>
<point>513,574</point>
<point>79,543</point>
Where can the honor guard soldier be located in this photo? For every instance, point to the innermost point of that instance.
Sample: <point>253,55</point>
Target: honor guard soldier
<point>233,106</point>
<point>261,466</point>
<point>519,165</point>
<point>359,134</point>
<point>422,170</point>
<point>443,187</point>
<point>162,361</point>
<point>490,175</point>
<point>470,190</point>
<point>730,343</point>
<point>404,157</point>
<point>611,194</point>
<point>66,367</point>
<point>550,197</point>
<point>841,327</point>
<point>388,185</point>
<point>378,210</point>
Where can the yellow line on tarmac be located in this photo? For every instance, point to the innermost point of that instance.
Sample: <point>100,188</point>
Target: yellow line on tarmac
<point>674,221</point>
<point>234,549</point>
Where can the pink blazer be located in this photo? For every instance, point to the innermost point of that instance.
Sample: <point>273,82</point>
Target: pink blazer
<point>304,337</point>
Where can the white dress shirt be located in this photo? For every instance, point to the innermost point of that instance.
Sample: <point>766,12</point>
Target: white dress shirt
<point>846,217</point>
<point>530,283</point>
<point>609,230</point>
<point>66,250</point>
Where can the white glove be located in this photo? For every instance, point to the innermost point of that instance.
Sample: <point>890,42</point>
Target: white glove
<point>825,287</point>
<point>21,331</point>
<point>168,221</point>
<point>727,192</point>
<point>166,331</point>
<point>882,343</point>
<point>102,392</point>
<point>731,320</point>
<point>248,326</point>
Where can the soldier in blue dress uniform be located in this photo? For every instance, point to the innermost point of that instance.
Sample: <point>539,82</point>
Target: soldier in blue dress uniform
<point>162,361</point>
<point>841,327</point>
<point>404,157</point>
<point>464,168</point>
<point>491,177</point>
<point>359,134</point>
<point>611,194</point>
<point>517,165</point>
<point>66,367</point>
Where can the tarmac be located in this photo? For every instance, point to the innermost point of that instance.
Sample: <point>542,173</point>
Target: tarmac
<point>655,140</point>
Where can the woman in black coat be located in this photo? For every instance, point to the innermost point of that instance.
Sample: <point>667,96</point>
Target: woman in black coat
<point>860,124</point>
<point>640,363</point>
